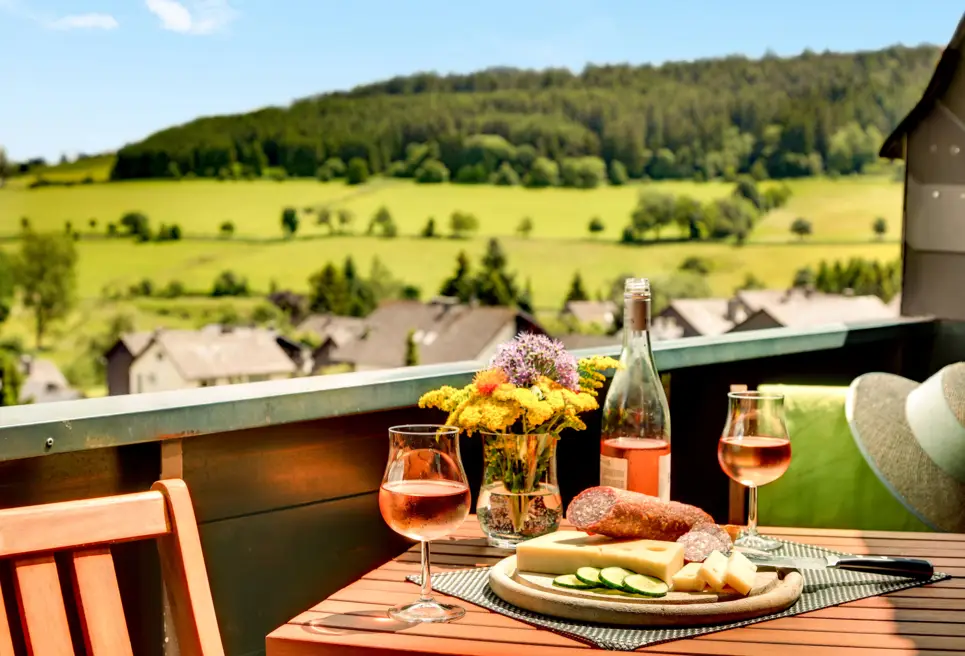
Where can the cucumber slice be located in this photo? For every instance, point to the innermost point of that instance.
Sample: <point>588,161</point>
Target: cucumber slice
<point>612,577</point>
<point>645,585</point>
<point>589,575</point>
<point>570,581</point>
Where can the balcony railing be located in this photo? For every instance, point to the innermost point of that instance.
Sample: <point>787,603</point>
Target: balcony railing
<point>285,474</point>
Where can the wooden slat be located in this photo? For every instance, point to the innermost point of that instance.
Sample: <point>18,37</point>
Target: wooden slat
<point>921,620</point>
<point>42,610</point>
<point>297,640</point>
<point>6,638</point>
<point>55,526</point>
<point>99,603</point>
<point>185,576</point>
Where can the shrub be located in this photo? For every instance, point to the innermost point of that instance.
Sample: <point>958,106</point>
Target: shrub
<point>543,173</point>
<point>472,174</point>
<point>463,223</point>
<point>429,231</point>
<point>289,221</point>
<point>136,225</point>
<point>696,264</point>
<point>583,172</point>
<point>143,288</point>
<point>335,166</point>
<point>432,171</point>
<point>525,227</point>
<point>229,284</point>
<point>174,289</point>
<point>227,229</point>
<point>596,225</point>
<point>506,175</point>
<point>358,171</point>
<point>618,173</point>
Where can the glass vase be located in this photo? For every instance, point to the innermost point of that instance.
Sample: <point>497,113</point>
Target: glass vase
<point>519,497</point>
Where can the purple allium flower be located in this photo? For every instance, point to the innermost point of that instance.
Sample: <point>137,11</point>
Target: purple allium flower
<point>529,356</point>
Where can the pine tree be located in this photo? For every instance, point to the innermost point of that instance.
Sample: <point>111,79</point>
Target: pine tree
<point>576,292</point>
<point>460,285</point>
<point>411,350</point>
<point>822,281</point>
<point>494,285</point>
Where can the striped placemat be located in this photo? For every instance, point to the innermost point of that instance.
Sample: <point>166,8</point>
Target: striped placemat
<point>822,588</point>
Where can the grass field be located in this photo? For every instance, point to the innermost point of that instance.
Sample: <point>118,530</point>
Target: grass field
<point>841,212</point>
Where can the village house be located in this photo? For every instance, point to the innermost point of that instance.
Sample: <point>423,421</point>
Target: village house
<point>931,141</point>
<point>590,313</point>
<point>215,355</point>
<point>332,332</point>
<point>43,382</point>
<point>443,331</point>
<point>765,308</point>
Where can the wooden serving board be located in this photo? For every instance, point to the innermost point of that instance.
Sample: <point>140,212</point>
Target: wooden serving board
<point>772,593</point>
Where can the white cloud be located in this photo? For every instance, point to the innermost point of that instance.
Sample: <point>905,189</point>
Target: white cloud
<point>203,16</point>
<point>84,22</point>
<point>92,21</point>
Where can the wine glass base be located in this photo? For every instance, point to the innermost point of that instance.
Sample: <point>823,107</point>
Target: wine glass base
<point>426,611</point>
<point>757,541</point>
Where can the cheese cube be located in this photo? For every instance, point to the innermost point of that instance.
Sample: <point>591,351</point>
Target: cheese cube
<point>714,570</point>
<point>688,579</point>
<point>564,552</point>
<point>740,573</point>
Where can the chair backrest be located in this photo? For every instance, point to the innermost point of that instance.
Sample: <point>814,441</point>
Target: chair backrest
<point>83,531</point>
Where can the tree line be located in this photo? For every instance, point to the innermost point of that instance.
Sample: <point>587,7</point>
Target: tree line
<point>770,117</point>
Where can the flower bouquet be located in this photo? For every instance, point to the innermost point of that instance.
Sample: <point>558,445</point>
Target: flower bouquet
<point>532,390</point>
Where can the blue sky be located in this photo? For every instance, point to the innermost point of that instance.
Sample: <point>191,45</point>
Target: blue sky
<point>91,75</point>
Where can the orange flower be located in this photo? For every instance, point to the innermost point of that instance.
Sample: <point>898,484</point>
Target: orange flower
<point>487,381</point>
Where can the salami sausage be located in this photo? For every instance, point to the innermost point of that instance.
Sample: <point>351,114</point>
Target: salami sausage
<point>702,539</point>
<point>625,514</point>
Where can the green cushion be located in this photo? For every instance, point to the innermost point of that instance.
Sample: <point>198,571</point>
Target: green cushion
<point>829,484</point>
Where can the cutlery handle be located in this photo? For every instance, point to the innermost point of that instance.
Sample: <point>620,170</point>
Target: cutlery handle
<point>909,567</point>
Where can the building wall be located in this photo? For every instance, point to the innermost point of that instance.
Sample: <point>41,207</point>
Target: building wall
<point>119,371</point>
<point>672,315</point>
<point>757,321</point>
<point>934,226</point>
<point>153,371</point>
<point>505,334</point>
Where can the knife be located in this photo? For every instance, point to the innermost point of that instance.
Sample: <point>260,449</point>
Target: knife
<point>906,567</point>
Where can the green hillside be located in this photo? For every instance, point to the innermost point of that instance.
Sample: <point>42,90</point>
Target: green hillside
<point>779,117</point>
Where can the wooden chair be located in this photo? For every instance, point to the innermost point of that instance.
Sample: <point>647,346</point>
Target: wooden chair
<point>30,536</point>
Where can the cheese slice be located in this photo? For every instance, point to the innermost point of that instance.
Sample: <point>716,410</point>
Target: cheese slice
<point>714,570</point>
<point>740,573</point>
<point>688,579</point>
<point>564,552</point>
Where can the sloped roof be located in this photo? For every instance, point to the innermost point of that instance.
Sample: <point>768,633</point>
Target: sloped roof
<point>443,333</point>
<point>214,353</point>
<point>587,312</point>
<point>341,330</point>
<point>45,383</point>
<point>135,342</point>
<point>707,316</point>
<point>818,309</point>
<point>949,62</point>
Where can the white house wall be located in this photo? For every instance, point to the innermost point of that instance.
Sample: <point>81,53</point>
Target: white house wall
<point>153,371</point>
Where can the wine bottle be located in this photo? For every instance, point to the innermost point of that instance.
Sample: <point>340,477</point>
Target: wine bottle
<point>635,441</point>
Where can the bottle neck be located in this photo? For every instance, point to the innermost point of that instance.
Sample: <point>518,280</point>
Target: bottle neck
<point>636,322</point>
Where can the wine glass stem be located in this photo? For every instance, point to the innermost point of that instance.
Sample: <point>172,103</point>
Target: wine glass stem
<point>426,577</point>
<point>752,510</point>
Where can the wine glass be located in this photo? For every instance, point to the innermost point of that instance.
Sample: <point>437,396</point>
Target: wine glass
<point>424,496</point>
<point>754,450</point>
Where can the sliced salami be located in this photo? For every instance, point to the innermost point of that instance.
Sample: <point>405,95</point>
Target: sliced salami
<point>701,540</point>
<point>625,514</point>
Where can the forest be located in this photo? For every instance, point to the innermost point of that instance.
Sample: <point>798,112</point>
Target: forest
<point>770,118</point>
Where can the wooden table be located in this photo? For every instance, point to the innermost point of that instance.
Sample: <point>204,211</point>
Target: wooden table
<point>923,620</point>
